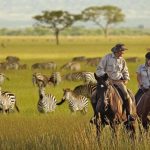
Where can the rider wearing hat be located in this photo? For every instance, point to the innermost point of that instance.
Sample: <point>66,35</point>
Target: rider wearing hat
<point>114,65</point>
<point>143,77</point>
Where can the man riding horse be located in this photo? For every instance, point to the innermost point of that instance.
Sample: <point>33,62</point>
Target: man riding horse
<point>114,65</point>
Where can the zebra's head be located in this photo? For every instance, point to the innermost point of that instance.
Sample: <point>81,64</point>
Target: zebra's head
<point>66,96</point>
<point>67,93</point>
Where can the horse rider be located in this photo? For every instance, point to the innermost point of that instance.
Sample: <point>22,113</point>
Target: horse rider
<point>114,65</point>
<point>143,77</point>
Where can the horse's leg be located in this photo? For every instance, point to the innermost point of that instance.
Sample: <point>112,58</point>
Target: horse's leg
<point>139,125</point>
<point>93,103</point>
<point>114,127</point>
<point>145,120</point>
<point>98,126</point>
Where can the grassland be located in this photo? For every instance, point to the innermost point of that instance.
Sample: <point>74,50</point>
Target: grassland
<point>61,129</point>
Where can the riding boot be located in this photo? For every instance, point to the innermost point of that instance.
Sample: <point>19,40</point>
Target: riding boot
<point>128,108</point>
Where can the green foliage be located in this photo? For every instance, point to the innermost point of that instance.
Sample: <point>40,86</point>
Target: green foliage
<point>103,16</point>
<point>56,21</point>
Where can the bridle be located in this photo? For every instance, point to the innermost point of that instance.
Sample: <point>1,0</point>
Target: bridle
<point>106,94</point>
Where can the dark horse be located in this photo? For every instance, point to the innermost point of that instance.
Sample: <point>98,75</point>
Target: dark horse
<point>143,109</point>
<point>110,107</point>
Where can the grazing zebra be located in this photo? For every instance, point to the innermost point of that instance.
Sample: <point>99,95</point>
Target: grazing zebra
<point>55,78</point>
<point>89,77</point>
<point>45,65</point>
<point>76,102</point>
<point>71,66</point>
<point>76,76</point>
<point>39,79</point>
<point>86,90</point>
<point>47,102</point>
<point>2,78</point>
<point>7,102</point>
<point>86,77</point>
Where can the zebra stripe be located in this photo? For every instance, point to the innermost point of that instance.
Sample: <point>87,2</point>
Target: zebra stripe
<point>89,77</point>
<point>55,78</point>
<point>8,102</point>
<point>76,76</point>
<point>76,102</point>
<point>86,90</point>
<point>47,102</point>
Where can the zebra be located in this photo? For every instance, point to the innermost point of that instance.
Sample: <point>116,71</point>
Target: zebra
<point>46,65</point>
<point>86,90</point>
<point>39,79</point>
<point>55,78</point>
<point>89,91</point>
<point>46,102</point>
<point>76,102</point>
<point>2,78</point>
<point>12,59</point>
<point>86,77</point>
<point>89,77</point>
<point>7,102</point>
<point>76,76</point>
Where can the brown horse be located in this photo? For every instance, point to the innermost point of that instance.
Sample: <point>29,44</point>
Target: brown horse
<point>143,109</point>
<point>110,107</point>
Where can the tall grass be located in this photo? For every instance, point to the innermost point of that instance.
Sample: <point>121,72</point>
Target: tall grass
<point>61,129</point>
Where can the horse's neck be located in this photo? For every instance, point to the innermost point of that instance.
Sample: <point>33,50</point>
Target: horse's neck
<point>115,100</point>
<point>143,104</point>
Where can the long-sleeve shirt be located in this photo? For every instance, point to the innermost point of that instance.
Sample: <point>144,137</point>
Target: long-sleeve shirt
<point>116,68</point>
<point>144,72</point>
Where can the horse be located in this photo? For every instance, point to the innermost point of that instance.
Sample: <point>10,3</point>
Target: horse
<point>143,109</point>
<point>109,109</point>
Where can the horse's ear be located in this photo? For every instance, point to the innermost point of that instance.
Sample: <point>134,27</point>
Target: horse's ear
<point>96,77</point>
<point>105,76</point>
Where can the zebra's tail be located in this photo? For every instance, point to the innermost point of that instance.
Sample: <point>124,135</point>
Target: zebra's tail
<point>17,107</point>
<point>62,101</point>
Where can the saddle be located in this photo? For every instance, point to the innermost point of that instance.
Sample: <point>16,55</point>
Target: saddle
<point>123,97</point>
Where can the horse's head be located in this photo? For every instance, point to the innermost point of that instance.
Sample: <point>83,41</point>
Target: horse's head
<point>102,80</point>
<point>102,89</point>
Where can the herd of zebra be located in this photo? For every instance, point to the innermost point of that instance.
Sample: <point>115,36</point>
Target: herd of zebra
<point>77,98</point>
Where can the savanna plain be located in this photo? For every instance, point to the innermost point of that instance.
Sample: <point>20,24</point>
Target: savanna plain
<point>61,129</point>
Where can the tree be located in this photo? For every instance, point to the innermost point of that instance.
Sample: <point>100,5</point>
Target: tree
<point>103,16</point>
<point>56,21</point>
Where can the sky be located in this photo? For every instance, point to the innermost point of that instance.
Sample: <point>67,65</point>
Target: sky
<point>19,13</point>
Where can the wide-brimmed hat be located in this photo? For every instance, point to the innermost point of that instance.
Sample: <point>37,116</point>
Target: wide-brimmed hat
<point>118,48</point>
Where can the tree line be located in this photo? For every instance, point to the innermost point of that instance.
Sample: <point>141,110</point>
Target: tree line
<point>58,20</point>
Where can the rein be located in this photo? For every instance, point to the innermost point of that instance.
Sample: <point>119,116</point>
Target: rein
<point>106,97</point>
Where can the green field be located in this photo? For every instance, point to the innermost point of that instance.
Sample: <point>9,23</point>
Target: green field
<point>61,129</point>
